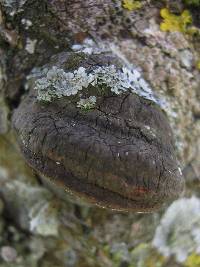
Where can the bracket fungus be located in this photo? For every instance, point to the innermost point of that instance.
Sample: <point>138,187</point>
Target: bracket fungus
<point>92,125</point>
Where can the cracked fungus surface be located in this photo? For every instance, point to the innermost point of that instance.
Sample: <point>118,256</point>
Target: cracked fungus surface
<point>120,154</point>
<point>103,155</point>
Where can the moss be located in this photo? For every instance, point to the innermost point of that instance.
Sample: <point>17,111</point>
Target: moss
<point>193,260</point>
<point>173,23</point>
<point>131,4</point>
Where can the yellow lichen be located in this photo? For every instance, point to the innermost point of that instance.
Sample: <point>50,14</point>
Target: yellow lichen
<point>173,23</point>
<point>198,65</point>
<point>193,260</point>
<point>131,4</point>
<point>193,31</point>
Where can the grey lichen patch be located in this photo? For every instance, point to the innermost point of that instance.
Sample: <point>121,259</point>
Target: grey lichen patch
<point>30,45</point>
<point>44,219</point>
<point>33,207</point>
<point>57,83</point>
<point>27,23</point>
<point>176,235</point>
<point>87,103</point>
<point>89,47</point>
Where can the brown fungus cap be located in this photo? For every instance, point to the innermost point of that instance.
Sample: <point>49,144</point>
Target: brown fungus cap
<point>118,154</point>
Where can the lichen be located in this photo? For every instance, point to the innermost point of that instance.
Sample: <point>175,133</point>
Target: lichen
<point>198,65</point>
<point>27,23</point>
<point>88,46</point>
<point>176,235</point>
<point>43,219</point>
<point>35,207</point>
<point>173,23</point>
<point>57,83</point>
<point>30,45</point>
<point>87,103</point>
<point>193,260</point>
<point>132,4</point>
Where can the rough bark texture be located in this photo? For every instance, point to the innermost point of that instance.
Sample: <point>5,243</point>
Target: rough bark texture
<point>40,223</point>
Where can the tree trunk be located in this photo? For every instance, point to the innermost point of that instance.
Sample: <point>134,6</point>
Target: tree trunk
<point>40,43</point>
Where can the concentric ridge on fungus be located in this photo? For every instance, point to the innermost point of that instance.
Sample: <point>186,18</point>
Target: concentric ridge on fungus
<point>118,154</point>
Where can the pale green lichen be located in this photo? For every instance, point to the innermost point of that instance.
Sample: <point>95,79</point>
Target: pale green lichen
<point>43,219</point>
<point>87,103</point>
<point>30,45</point>
<point>34,206</point>
<point>177,235</point>
<point>57,83</point>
